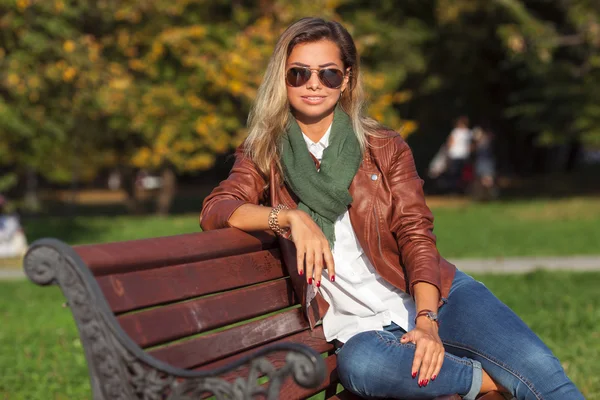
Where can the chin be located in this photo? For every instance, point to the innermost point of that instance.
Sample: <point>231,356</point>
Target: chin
<point>304,111</point>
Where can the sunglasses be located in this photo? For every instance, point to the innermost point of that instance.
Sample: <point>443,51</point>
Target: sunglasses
<point>333,78</point>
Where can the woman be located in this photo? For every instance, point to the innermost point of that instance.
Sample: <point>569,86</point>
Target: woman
<point>344,195</point>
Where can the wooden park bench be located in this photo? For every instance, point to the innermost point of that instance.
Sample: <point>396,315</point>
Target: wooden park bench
<point>187,317</point>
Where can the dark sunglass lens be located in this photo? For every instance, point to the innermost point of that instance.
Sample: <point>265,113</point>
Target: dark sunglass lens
<point>332,78</point>
<point>297,76</point>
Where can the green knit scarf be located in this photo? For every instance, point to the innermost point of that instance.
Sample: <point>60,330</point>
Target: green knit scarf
<point>323,194</point>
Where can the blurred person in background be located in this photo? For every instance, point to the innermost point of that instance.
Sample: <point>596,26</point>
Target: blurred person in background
<point>13,242</point>
<point>459,147</point>
<point>485,164</point>
<point>342,193</point>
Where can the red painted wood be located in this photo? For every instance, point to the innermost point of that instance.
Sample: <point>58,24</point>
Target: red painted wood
<point>215,346</point>
<point>139,289</point>
<point>313,339</point>
<point>167,323</point>
<point>133,275</point>
<point>292,391</point>
<point>135,255</point>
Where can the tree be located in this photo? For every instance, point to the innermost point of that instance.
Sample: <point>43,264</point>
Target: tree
<point>167,85</point>
<point>49,76</point>
<point>163,85</point>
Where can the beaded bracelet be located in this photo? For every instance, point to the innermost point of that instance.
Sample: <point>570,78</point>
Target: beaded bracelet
<point>274,220</point>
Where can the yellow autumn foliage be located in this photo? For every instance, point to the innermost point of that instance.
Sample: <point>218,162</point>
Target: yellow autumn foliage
<point>176,83</point>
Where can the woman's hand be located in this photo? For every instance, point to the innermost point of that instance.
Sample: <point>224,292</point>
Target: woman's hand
<point>312,248</point>
<point>429,355</point>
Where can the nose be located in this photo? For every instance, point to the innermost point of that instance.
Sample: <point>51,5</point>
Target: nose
<point>314,82</point>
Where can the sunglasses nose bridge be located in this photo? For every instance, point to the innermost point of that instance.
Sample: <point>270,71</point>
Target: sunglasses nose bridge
<point>313,80</point>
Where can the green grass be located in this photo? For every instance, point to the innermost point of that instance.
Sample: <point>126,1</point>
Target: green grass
<point>42,357</point>
<point>520,228</point>
<point>101,229</point>
<point>524,228</point>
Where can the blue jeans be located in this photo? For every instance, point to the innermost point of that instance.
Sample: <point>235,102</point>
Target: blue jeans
<point>478,331</point>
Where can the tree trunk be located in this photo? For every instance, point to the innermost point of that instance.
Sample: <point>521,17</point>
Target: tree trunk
<point>32,201</point>
<point>574,149</point>
<point>168,188</point>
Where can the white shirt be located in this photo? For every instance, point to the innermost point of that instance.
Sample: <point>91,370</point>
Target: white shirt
<point>460,146</point>
<point>13,242</point>
<point>360,299</point>
<point>9,226</point>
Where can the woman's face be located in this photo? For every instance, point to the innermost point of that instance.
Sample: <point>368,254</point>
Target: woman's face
<point>313,100</point>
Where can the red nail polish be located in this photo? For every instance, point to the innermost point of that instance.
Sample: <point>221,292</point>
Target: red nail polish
<point>426,382</point>
<point>332,278</point>
<point>310,281</point>
<point>318,283</point>
<point>414,375</point>
<point>433,377</point>
<point>301,272</point>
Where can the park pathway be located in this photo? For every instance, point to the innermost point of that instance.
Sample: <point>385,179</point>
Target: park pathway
<point>528,264</point>
<point>508,265</point>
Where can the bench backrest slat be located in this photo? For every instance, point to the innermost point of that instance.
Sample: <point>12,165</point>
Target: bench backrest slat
<point>134,290</point>
<point>289,390</point>
<point>215,346</point>
<point>135,255</point>
<point>311,339</point>
<point>159,325</point>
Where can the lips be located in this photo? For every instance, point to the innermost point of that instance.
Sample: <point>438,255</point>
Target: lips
<point>313,99</point>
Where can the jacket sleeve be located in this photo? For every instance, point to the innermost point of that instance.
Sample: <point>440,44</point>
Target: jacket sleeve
<point>412,221</point>
<point>245,184</point>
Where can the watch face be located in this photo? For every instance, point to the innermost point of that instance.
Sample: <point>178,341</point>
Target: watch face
<point>432,316</point>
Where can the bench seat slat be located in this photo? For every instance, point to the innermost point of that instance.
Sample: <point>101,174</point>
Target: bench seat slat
<point>214,346</point>
<point>175,321</point>
<point>139,289</point>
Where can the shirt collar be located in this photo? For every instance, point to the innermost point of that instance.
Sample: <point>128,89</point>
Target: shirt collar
<point>324,142</point>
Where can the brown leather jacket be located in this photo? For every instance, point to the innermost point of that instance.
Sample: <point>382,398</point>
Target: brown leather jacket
<point>388,213</point>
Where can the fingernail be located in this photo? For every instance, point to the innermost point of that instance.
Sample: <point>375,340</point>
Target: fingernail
<point>301,272</point>
<point>310,281</point>
<point>421,383</point>
<point>433,377</point>
<point>318,283</point>
<point>414,375</point>
<point>426,382</point>
<point>332,278</point>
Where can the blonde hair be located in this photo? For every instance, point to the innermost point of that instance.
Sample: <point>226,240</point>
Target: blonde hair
<point>268,118</point>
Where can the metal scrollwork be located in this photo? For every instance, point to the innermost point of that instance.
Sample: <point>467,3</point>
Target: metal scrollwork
<point>300,366</point>
<point>121,370</point>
